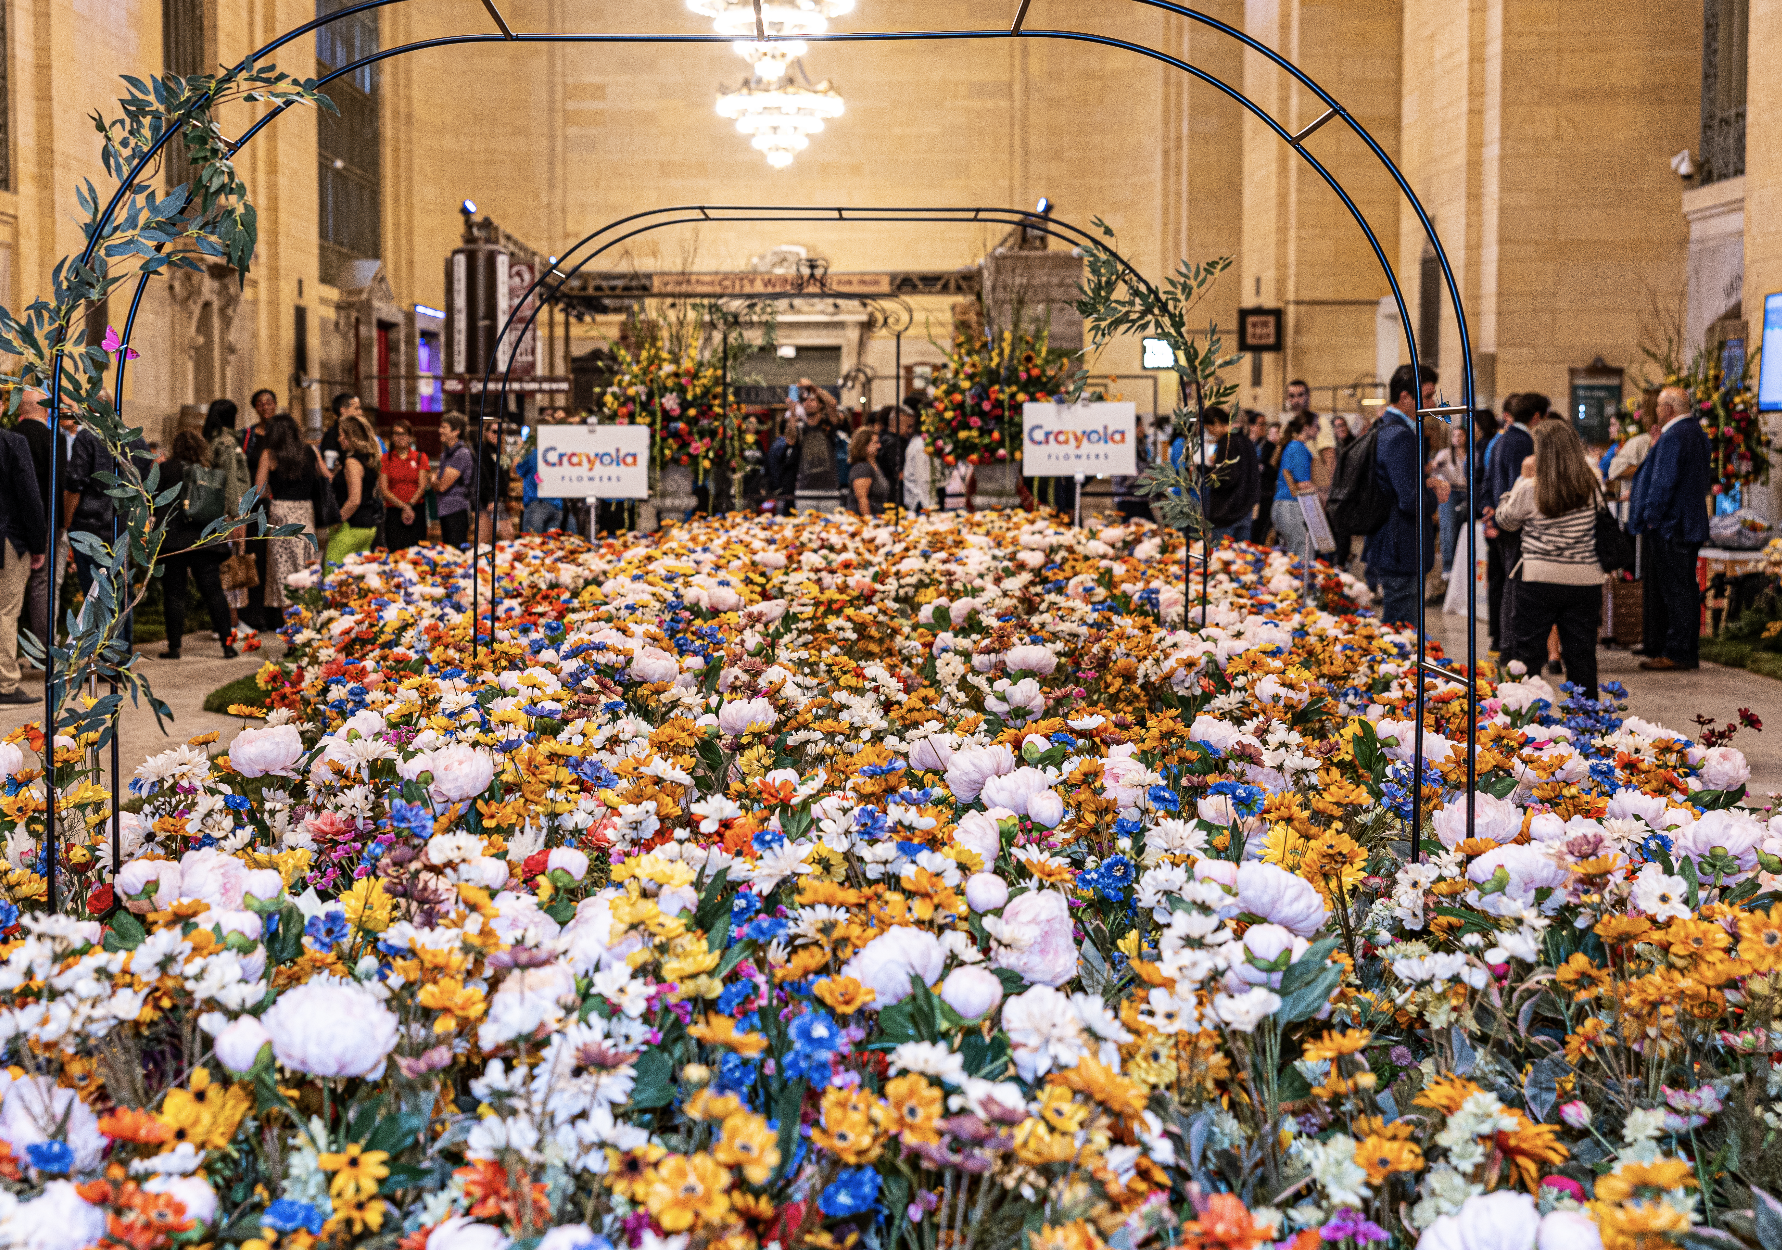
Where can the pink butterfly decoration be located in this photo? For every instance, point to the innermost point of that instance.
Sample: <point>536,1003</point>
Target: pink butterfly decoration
<point>113,343</point>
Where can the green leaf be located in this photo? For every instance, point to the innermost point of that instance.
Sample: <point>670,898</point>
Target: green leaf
<point>786,1107</point>
<point>732,957</point>
<point>1308,966</point>
<point>126,932</point>
<point>1305,1001</point>
<point>655,1081</point>
<point>396,1133</point>
<point>1292,1084</point>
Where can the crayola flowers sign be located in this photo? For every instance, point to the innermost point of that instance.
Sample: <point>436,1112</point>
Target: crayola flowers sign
<point>1095,440</point>
<point>600,461</point>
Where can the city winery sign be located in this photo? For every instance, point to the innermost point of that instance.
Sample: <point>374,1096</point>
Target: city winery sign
<point>769,284</point>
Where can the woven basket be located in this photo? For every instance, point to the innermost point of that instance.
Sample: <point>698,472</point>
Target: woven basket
<point>1628,610</point>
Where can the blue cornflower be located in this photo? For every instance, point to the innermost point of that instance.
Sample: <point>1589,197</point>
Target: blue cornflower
<point>328,929</point>
<point>815,1039</point>
<point>1246,800</point>
<point>1064,740</point>
<point>56,1158</point>
<point>9,915</point>
<point>854,1192</point>
<point>743,907</point>
<point>871,822</point>
<point>909,850</point>
<point>287,1215</point>
<point>1164,798</point>
<point>1126,826</point>
<point>766,929</point>
<point>768,839</point>
<point>237,802</point>
<point>597,774</point>
<point>1654,845</point>
<point>735,1074</point>
<point>413,817</point>
<point>734,996</point>
<point>882,770</point>
<point>1110,878</point>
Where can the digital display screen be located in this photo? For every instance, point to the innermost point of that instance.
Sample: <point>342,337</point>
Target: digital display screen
<point>1769,373</point>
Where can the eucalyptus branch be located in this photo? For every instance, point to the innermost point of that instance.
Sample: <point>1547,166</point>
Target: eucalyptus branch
<point>134,232</point>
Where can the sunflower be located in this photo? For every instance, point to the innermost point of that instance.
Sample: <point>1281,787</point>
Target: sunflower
<point>357,1171</point>
<point>1614,929</point>
<point>1760,939</point>
<point>1529,1145</point>
<point>843,995</point>
<point>1333,1043</point>
<point>1446,1093</point>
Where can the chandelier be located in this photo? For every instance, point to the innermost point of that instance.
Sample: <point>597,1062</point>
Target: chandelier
<point>779,117</point>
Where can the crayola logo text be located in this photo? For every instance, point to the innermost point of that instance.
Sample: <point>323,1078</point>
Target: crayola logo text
<point>563,458</point>
<point>1106,436</point>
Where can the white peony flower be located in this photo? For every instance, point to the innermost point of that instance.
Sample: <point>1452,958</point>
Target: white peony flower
<point>738,717</point>
<point>1030,658</point>
<point>1245,1011</point>
<point>1724,768</point>
<point>463,1233</point>
<point>1505,1220</point>
<point>194,1192</point>
<point>263,752</point>
<point>1046,809</point>
<point>1034,938</point>
<point>969,769</point>
<point>1494,820</point>
<point>1013,790</point>
<point>985,891</point>
<point>240,1043</point>
<point>460,772</point>
<point>1271,893</point>
<point>971,991</point>
<point>329,1027</point>
<point>57,1219</point>
<point>886,963</point>
<point>979,831</point>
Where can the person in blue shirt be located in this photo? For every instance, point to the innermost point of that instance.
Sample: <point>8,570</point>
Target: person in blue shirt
<point>1399,470</point>
<point>1669,512</point>
<point>537,515</point>
<point>1295,479</point>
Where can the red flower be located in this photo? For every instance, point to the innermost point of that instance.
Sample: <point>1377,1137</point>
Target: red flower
<point>100,901</point>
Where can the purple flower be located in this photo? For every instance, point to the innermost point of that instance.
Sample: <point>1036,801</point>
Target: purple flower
<point>1401,1057</point>
<point>1351,1225</point>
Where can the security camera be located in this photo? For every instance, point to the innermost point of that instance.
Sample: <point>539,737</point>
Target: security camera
<point>1682,166</point>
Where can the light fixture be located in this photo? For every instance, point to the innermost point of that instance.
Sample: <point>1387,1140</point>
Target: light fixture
<point>1043,207</point>
<point>788,351</point>
<point>779,118</point>
<point>468,208</point>
<point>1158,353</point>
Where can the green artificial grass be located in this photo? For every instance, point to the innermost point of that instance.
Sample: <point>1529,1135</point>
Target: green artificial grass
<point>1732,652</point>
<point>241,690</point>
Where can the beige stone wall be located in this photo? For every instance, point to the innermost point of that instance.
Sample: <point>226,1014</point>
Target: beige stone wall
<point>1763,167</point>
<point>1535,131</point>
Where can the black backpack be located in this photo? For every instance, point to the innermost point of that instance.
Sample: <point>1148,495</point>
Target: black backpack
<point>1358,506</point>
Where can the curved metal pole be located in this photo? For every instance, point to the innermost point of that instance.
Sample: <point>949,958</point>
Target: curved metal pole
<point>1295,141</point>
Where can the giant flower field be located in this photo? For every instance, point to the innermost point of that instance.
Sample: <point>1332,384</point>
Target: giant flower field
<point>923,886</point>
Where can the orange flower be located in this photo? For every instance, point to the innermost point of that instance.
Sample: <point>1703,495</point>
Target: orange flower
<point>721,1031</point>
<point>843,995</point>
<point>1226,1223</point>
<point>129,1124</point>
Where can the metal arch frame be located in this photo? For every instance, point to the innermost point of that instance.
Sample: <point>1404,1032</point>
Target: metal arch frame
<point>726,213</point>
<point>1017,30</point>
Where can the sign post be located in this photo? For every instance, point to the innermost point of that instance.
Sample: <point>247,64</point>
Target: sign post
<point>594,461</point>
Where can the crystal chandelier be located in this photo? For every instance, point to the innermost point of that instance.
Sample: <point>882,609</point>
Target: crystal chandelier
<point>779,117</point>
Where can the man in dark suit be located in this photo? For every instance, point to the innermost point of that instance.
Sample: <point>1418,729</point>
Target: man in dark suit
<point>1669,511</point>
<point>1503,465</point>
<point>1391,550</point>
<point>23,535</point>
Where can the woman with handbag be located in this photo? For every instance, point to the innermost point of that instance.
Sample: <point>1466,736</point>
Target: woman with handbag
<point>356,489</point>
<point>226,455</point>
<point>291,477</point>
<point>202,499</point>
<point>1558,580</point>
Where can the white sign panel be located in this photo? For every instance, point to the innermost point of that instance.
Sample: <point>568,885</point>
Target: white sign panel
<point>1095,440</point>
<point>1317,527</point>
<point>594,461</point>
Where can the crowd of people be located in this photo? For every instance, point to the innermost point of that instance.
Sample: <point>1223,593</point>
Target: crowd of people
<point>1539,496</point>
<point>1541,500</point>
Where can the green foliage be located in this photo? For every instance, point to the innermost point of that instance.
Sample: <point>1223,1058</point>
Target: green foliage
<point>1114,303</point>
<point>131,231</point>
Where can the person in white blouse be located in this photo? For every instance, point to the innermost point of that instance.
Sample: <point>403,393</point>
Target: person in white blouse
<point>918,482</point>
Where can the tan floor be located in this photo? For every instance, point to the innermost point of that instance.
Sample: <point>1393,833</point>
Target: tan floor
<point>1673,699</point>
<point>182,684</point>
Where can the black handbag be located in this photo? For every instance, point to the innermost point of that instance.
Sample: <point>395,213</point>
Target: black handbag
<point>1614,546</point>
<point>321,496</point>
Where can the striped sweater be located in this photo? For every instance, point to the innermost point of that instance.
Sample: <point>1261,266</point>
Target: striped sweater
<point>1554,549</point>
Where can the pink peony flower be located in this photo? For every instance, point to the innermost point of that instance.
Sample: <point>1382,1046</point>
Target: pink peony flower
<point>1035,938</point>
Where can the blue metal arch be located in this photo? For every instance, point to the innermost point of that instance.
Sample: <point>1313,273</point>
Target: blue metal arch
<point>1016,31</point>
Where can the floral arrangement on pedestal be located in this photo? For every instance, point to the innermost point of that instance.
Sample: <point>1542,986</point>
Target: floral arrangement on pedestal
<point>678,395</point>
<point>977,394</point>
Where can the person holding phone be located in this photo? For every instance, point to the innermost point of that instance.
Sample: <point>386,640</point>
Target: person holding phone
<point>814,419</point>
